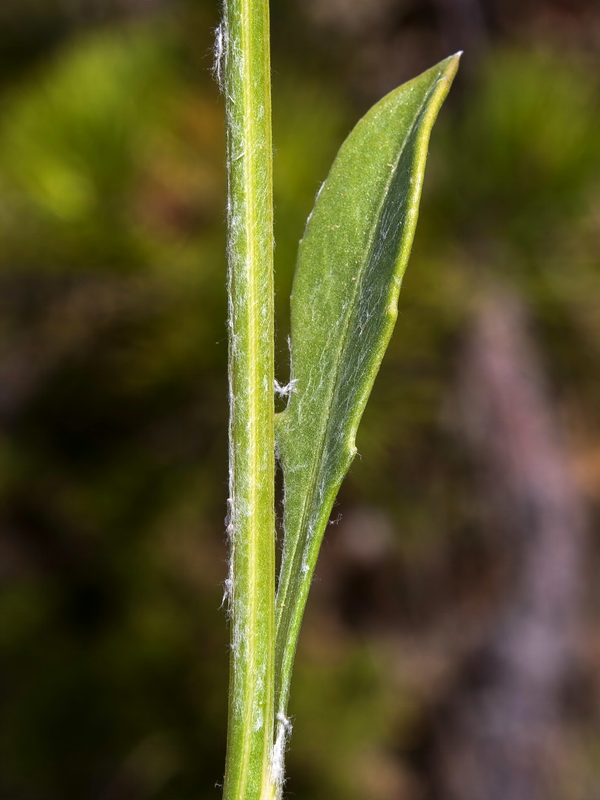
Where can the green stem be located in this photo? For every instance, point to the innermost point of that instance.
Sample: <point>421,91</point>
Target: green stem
<point>251,583</point>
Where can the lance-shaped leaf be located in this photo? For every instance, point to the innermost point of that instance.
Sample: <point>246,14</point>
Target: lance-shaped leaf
<point>343,308</point>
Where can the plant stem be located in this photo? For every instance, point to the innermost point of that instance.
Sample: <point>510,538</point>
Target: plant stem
<point>251,583</point>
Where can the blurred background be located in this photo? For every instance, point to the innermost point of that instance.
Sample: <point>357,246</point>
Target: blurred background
<point>451,649</point>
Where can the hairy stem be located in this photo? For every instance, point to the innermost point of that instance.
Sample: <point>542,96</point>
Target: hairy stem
<point>243,45</point>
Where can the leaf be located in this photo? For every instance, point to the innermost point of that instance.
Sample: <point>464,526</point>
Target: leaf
<point>343,308</point>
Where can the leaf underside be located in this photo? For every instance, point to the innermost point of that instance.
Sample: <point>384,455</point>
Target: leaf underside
<point>343,309</point>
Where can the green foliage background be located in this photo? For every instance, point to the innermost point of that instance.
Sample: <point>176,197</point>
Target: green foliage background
<point>113,383</point>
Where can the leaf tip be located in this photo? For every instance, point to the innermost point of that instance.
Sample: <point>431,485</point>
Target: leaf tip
<point>451,65</point>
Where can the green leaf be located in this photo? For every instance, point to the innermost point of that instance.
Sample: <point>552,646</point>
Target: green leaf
<point>344,306</point>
